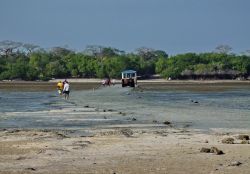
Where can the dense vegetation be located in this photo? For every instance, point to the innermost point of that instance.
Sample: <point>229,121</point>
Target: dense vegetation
<point>29,62</point>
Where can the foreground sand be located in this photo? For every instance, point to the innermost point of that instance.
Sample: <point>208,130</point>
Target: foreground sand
<point>121,150</point>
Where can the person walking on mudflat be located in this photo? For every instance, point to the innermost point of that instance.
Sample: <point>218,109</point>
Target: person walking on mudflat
<point>60,87</point>
<point>66,89</point>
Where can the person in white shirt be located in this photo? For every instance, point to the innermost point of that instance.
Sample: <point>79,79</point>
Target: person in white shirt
<point>66,89</point>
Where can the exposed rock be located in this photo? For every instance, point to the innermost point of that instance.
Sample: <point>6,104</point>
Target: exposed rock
<point>108,133</point>
<point>21,158</point>
<point>122,113</point>
<point>216,151</point>
<point>155,121</point>
<point>127,132</point>
<point>162,133</point>
<point>14,131</point>
<point>205,150</point>
<point>206,141</point>
<point>31,168</point>
<point>243,137</point>
<point>186,125</point>
<point>194,101</point>
<point>244,142</point>
<point>228,141</point>
<point>133,119</point>
<point>211,150</point>
<point>61,135</point>
<point>41,151</point>
<point>235,163</point>
<point>167,122</point>
<point>81,144</point>
<point>86,106</point>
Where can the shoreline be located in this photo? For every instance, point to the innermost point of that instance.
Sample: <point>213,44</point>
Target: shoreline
<point>149,84</point>
<point>96,80</point>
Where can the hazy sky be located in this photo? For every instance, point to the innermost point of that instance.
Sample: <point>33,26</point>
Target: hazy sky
<point>176,26</point>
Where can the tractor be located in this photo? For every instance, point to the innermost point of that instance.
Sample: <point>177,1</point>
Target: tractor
<point>129,78</point>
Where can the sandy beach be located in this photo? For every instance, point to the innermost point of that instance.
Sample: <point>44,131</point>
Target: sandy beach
<point>121,150</point>
<point>139,146</point>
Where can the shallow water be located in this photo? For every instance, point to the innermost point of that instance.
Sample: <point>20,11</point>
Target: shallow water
<point>115,106</point>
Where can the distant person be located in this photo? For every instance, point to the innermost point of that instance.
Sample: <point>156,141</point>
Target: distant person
<point>66,89</point>
<point>108,81</point>
<point>113,82</point>
<point>59,87</point>
<point>103,82</point>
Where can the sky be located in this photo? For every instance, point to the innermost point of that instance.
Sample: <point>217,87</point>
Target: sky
<point>175,26</point>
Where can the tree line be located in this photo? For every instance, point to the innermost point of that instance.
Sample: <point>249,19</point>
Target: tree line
<point>30,62</point>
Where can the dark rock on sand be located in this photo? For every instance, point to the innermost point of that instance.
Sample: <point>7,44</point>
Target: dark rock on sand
<point>243,137</point>
<point>122,113</point>
<point>244,142</point>
<point>167,122</point>
<point>127,132</point>
<point>21,158</point>
<point>205,150</point>
<point>31,168</point>
<point>61,135</point>
<point>211,150</point>
<point>194,101</point>
<point>216,151</point>
<point>186,125</point>
<point>134,119</point>
<point>235,163</point>
<point>13,131</point>
<point>228,141</point>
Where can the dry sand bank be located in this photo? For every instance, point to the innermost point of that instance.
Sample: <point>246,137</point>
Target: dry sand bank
<point>96,80</point>
<point>82,84</point>
<point>121,150</point>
